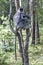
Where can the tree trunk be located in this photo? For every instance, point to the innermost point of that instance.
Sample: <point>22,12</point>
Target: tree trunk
<point>21,47</point>
<point>37,37</point>
<point>34,23</point>
<point>32,10</point>
<point>17,4</point>
<point>26,59</point>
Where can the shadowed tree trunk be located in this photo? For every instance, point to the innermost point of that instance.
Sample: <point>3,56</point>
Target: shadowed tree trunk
<point>26,57</point>
<point>21,47</point>
<point>32,11</point>
<point>24,50</point>
<point>34,23</point>
<point>37,36</point>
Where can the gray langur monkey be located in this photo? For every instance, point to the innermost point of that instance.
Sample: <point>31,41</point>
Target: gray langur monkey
<point>20,21</point>
<point>17,23</point>
<point>18,18</point>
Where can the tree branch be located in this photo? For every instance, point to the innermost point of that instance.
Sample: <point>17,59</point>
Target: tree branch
<point>9,20</point>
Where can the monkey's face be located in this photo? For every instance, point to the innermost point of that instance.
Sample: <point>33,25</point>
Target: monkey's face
<point>21,9</point>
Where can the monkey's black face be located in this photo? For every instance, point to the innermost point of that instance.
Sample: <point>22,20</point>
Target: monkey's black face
<point>21,9</point>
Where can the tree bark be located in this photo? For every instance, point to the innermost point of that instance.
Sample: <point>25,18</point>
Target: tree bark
<point>24,50</point>
<point>37,36</point>
<point>32,12</point>
<point>17,4</point>
<point>33,35</point>
<point>34,23</point>
<point>21,47</point>
<point>26,58</point>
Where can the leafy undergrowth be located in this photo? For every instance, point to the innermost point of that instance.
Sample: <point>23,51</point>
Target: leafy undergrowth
<point>35,51</point>
<point>35,56</point>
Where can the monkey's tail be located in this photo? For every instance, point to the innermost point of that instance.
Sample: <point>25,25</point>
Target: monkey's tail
<point>15,49</point>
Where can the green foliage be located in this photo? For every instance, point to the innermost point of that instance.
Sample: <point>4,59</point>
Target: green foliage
<point>5,6</point>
